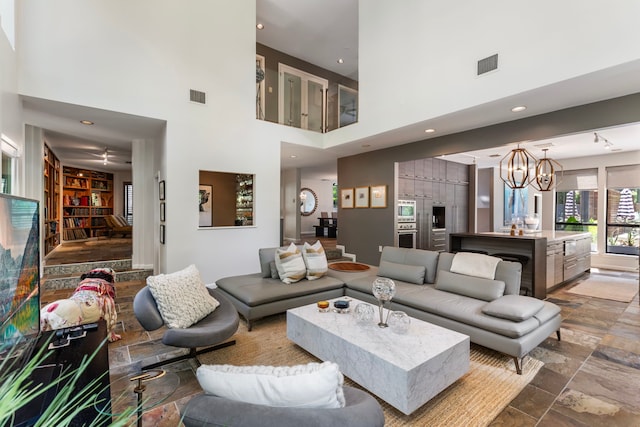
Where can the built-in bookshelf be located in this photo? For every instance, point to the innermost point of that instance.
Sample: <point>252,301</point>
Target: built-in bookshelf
<point>87,198</point>
<point>51,200</point>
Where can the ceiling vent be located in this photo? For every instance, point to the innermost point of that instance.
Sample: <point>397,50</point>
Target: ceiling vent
<point>197,96</point>
<point>487,64</point>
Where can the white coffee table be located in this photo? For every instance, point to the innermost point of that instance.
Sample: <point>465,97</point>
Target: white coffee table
<point>404,370</point>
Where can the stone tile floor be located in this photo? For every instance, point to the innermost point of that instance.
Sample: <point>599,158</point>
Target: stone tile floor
<point>590,378</point>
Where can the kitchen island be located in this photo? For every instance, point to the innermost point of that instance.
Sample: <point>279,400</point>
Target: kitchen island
<point>548,257</point>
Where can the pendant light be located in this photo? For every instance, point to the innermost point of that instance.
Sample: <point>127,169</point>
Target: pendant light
<point>547,171</point>
<point>517,167</point>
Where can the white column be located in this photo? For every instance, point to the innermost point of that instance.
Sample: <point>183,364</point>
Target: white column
<point>145,203</point>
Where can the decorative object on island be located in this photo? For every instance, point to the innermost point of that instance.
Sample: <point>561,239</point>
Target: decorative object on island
<point>383,289</point>
<point>519,163</point>
<point>547,170</point>
<point>346,198</point>
<point>362,197</point>
<point>379,196</point>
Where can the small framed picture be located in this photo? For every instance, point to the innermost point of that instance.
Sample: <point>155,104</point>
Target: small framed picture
<point>162,211</point>
<point>162,231</point>
<point>378,196</point>
<point>362,197</point>
<point>346,198</point>
<point>161,190</point>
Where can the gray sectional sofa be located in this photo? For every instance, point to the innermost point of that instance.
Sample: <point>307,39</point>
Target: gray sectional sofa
<point>490,311</point>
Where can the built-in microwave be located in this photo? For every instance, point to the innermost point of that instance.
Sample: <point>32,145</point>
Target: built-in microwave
<point>406,211</point>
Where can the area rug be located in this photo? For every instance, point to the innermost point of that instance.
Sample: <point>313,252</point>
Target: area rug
<point>474,400</point>
<point>611,288</point>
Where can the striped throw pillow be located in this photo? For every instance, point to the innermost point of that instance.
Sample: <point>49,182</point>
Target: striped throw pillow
<point>315,260</point>
<point>290,264</point>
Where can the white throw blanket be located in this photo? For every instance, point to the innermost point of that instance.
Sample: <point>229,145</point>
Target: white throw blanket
<point>473,264</point>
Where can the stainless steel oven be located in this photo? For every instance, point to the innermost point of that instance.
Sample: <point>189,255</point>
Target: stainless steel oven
<point>407,235</point>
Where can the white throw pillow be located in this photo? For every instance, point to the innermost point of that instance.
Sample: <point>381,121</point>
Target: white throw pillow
<point>314,385</point>
<point>473,264</point>
<point>181,297</point>
<point>290,264</point>
<point>315,260</point>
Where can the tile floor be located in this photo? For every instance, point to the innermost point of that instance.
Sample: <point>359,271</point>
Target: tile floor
<point>590,378</point>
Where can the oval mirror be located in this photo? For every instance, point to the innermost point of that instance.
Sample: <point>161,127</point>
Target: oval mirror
<point>308,201</point>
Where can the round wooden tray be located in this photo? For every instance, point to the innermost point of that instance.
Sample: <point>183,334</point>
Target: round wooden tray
<point>348,266</point>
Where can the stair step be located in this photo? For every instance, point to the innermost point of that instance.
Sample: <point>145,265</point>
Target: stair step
<point>83,267</point>
<point>71,281</point>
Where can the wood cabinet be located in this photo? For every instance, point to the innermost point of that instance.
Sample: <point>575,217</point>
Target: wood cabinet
<point>87,197</point>
<point>555,263</point>
<point>51,200</point>
<point>577,257</point>
<point>436,182</point>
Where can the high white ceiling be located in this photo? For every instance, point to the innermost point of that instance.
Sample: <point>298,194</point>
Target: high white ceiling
<point>317,31</point>
<point>320,32</point>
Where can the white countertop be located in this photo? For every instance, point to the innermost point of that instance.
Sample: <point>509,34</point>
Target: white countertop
<point>550,235</point>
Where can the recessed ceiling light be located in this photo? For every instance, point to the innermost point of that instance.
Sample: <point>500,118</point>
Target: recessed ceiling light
<point>260,26</point>
<point>340,61</point>
<point>293,156</point>
<point>86,122</point>
<point>518,108</point>
<point>430,130</point>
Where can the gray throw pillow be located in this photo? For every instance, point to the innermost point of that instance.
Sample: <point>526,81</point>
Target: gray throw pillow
<point>513,307</point>
<point>404,272</point>
<point>474,287</point>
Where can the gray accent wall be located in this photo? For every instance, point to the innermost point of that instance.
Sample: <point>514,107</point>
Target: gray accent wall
<point>362,231</point>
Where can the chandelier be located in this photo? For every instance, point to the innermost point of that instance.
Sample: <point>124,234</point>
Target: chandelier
<point>547,173</point>
<point>519,168</point>
<point>516,168</point>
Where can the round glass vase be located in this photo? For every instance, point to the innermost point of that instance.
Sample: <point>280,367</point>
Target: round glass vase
<point>364,313</point>
<point>399,322</point>
<point>384,290</point>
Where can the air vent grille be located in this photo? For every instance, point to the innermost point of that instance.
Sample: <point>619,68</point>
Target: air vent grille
<point>488,64</point>
<point>197,96</point>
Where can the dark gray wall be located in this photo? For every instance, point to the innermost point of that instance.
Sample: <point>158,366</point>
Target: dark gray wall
<point>363,230</point>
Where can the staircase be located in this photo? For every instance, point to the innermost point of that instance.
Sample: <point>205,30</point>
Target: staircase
<point>67,276</point>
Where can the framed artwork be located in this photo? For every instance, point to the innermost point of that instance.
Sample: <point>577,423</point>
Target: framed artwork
<point>162,212</point>
<point>362,197</point>
<point>378,196</point>
<point>205,196</point>
<point>161,190</point>
<point>346,198</point>
<point>515,204</point>
<point>162,232</point>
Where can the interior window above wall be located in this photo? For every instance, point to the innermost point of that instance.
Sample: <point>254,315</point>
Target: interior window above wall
<point>225,199</point>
